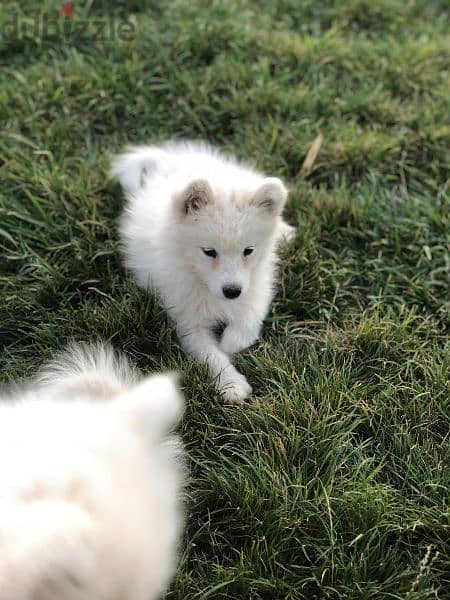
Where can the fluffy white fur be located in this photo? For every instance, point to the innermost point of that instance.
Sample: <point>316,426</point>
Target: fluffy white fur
<point>184,199</point>
<point>90,482</point>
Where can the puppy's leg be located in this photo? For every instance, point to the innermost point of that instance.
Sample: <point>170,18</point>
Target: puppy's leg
<point>233,386</point>
<point>240,335</point>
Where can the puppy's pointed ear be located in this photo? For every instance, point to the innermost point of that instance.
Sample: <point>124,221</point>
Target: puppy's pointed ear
<point>155,404</point>
<point>271,196</point>
<point>194,197</point>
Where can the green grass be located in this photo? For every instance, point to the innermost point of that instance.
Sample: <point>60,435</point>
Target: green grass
<point>333,483</point>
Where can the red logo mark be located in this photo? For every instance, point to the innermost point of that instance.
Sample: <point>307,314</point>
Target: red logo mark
<point>67,10</point>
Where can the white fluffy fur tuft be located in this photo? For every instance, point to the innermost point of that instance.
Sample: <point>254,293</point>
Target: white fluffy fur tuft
<point>135,164</point>
<point>201,230</point>
<point>90,482</point>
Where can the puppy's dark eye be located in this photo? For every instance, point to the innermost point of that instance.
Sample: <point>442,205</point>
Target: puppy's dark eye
<point>248,251</point>
<point>209,252</point>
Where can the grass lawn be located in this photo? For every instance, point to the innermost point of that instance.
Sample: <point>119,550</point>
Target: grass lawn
<point>333,482</point>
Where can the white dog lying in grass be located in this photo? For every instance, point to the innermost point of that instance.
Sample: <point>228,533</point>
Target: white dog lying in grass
<point>202,230</point>
<point>90,483</point>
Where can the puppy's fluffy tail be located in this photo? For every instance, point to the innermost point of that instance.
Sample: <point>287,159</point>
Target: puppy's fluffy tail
<point>97,373</point>
<point>137,163</point>
<point>94,369</point>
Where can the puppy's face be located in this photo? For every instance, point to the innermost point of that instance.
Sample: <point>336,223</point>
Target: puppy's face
<point>224,234</point>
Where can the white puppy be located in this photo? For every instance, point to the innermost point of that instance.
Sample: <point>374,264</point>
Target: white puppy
<point>201,230</point>
<point>90,483</point>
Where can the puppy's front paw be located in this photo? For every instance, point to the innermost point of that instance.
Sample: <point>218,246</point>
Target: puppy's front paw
<point>234,389</point>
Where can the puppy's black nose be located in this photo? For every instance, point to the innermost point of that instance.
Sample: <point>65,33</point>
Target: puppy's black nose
<point>231,291</point>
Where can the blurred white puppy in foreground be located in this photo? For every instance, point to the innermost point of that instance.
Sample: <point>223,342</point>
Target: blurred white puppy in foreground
<point>202,230</point>
<point>90,482</point>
